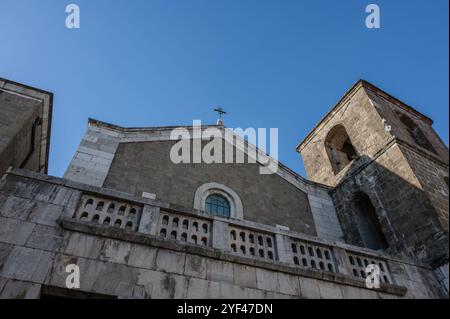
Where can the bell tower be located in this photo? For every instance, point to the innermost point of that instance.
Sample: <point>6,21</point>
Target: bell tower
<point>389,173</point>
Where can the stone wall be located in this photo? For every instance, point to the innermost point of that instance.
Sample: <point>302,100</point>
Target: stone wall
<point>431,175</point>
<point>41,233</point>
<point>404,181</point>
<point>324,214</point>
<point>267,199</point>
<point>387,106</point>
<point>407,217</point>
<point>20,106</point>
<point>16,122</point>
<point>285,198</point>
<point>442,276</point>
<point>93,158</point>
<point>364,126</point>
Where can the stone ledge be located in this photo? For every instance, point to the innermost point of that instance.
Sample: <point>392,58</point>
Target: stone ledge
<point>139,238</point>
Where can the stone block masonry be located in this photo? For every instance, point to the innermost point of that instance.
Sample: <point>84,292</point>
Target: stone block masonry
<point>388,173</point>
<point>107,151</point>
<point>25,121</point>
<point>43,228</point>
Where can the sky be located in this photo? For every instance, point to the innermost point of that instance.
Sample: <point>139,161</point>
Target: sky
<point>269,64</point>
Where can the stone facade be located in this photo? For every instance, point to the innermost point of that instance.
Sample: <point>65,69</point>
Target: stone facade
<point>401,168</point>
<point>134,222</point>
<point>42,230</point>
<point>284,199</point>
<point>25,121</point>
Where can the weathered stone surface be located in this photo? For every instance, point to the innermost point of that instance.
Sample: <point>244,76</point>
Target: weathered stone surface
<point>401,167</point>
<point>149,219</point>
<point>95,276</point>
<point>46,214</point>
<point>125,264</point>
<point>245,276</point>
<point>115,251</point>
<point>22,108</point>
<point>358,293</point>
<point>309,288</point>
<point>5,250</point>
<point>31,210</point>
<point>14,231</point>
<point>443,277</point>
<point>274,295</point>
<point>230,291</point>
<point>129,291</point>
<point>219,271</point>
<point>27,264</point>
<point>82,245</point>
<point>142,257</point>
<point>203,289</point>
<point>17,289</point>
<point>159,285</point>
<point>16,207</point>
<point>330,291</point>
<point>170,261</point>
<point>289,285</point>
<point>267,280</point>
<point>195,266</point>
<point>45,238</point>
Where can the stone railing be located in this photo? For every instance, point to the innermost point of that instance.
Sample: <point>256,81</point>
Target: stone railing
<point>108,212</point>
<point>251,243</point>
<point>311,255</point>
<point>184,229</point>
<point>357,263</point>
<point>236,237</point>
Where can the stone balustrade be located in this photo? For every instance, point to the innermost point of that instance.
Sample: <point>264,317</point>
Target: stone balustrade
<point>108,212</point>
<point>251,243</point>
<point>184,229</point>
<point>311,255</point>
<point>236,237</point>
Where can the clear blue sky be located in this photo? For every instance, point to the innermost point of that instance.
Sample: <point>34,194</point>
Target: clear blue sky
<point>268,63</point>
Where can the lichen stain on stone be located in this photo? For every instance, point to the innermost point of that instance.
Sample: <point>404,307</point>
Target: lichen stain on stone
<point>196,264</point>
<point>168,284</point>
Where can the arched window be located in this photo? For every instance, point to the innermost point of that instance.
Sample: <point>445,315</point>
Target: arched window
<point>218,205</point>
<point>224,203</point>
<point>415,132</point>
<point>339,148</point>
<point>367,222</point>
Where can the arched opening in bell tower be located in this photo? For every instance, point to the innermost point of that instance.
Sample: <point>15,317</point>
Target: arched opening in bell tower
<point>368,223</point>
<point>340,149</point>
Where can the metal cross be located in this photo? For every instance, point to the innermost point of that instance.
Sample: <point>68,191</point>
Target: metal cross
<point>220,111</point>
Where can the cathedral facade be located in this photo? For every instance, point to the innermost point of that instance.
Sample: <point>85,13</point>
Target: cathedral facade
<point>371,220</point>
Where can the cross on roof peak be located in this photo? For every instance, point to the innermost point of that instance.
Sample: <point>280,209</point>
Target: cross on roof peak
<point>220,111</point>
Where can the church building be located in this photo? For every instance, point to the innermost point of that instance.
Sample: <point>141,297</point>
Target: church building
<point>370,220</point>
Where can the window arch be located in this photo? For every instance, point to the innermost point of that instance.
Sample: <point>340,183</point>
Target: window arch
<point>217,204</point>
<point>367,222</point>
<point>415,132</point>
<point>339,148</point>
<point>205,201</point>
